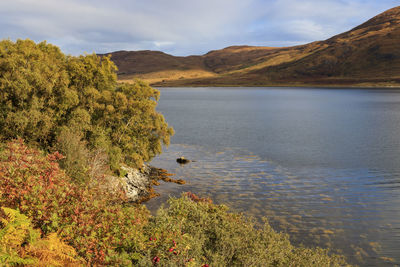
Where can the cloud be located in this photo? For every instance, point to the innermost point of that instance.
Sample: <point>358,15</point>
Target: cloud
<point>312,20</point>
<point>180,27</point>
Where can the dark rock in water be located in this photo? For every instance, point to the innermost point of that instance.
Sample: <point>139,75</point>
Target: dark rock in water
<point>182,160</point>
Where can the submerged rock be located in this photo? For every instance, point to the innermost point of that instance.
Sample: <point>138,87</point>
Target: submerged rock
<point>182,160</point>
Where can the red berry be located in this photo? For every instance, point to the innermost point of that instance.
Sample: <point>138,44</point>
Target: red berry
<point>156,260</point>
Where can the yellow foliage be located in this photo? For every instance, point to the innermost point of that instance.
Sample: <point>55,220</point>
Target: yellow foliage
<point>14,229</point>
<point>20,244</point>
<point>51,251</point>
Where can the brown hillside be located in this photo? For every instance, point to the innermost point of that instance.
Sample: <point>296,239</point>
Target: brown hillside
<point>366,55</point>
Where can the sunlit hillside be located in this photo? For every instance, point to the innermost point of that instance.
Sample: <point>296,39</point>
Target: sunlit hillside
<point>368,55</point>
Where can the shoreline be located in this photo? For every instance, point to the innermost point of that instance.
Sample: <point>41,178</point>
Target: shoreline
<point>199,84</point>
<point>282,86</point>
<point>139,184</point>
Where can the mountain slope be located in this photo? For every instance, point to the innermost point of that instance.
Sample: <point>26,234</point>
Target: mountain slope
<point>366,55</point>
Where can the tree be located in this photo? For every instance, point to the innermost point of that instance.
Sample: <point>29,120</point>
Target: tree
<point>49,99</point>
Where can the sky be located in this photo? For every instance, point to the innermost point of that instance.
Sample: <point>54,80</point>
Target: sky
<point>180,27</point>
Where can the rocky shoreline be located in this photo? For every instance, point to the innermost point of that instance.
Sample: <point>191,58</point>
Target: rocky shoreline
<point>138,183</point>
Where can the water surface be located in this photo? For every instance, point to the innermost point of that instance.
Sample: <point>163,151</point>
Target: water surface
<point>321,164</point>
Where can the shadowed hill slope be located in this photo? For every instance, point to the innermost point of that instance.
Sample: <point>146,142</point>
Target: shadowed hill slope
<point>368,55</point>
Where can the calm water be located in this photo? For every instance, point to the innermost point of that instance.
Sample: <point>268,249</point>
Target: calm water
<point>322,165</point>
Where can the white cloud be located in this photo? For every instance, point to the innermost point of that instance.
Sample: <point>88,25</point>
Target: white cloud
<point>306,29</point>
<point>312,20</point>
<point>161,44</point>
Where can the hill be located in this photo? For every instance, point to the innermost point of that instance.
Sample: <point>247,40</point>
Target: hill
<point>368,55</point>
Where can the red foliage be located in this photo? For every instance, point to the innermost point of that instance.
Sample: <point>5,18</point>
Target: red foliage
<point>196,198</point>
<point>87,218</point>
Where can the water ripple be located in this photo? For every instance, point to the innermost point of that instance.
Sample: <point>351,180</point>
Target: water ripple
<point>343,209</point>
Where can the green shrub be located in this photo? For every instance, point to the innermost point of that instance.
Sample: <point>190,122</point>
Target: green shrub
<point>45,96</point>
<point>76,155</point>
<point>194,232</point>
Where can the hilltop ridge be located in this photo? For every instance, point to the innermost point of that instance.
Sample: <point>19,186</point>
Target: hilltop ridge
<point>367,55</point>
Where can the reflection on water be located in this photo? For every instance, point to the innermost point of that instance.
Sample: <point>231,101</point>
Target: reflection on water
<point>321,165</point>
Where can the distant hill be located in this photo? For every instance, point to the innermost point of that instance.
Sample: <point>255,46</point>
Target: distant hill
<point>368,55</point>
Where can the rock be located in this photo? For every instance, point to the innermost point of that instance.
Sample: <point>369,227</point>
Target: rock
<point>137,183</point>
<point>182,160</point>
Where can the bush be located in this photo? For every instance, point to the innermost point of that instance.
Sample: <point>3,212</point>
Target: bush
<point>20,244</point>
<point>45,96</point>
<point>195,232</point>
<point>92,220</point>
<point>105,231</point>
<point>76,155</point>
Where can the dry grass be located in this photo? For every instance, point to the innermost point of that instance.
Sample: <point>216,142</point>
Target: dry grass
<point>168,75</point>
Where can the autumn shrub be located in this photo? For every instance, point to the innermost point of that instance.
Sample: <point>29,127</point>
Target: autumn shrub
<point>194,232</point>
<point>90,219</point>
<point>45,96</point>
<point>76,155</point>
<point>79,162</point>
<point>104,230</point>
<point>21,244</point>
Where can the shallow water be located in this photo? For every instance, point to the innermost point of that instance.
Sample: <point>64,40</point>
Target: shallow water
<point>321,164</point>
